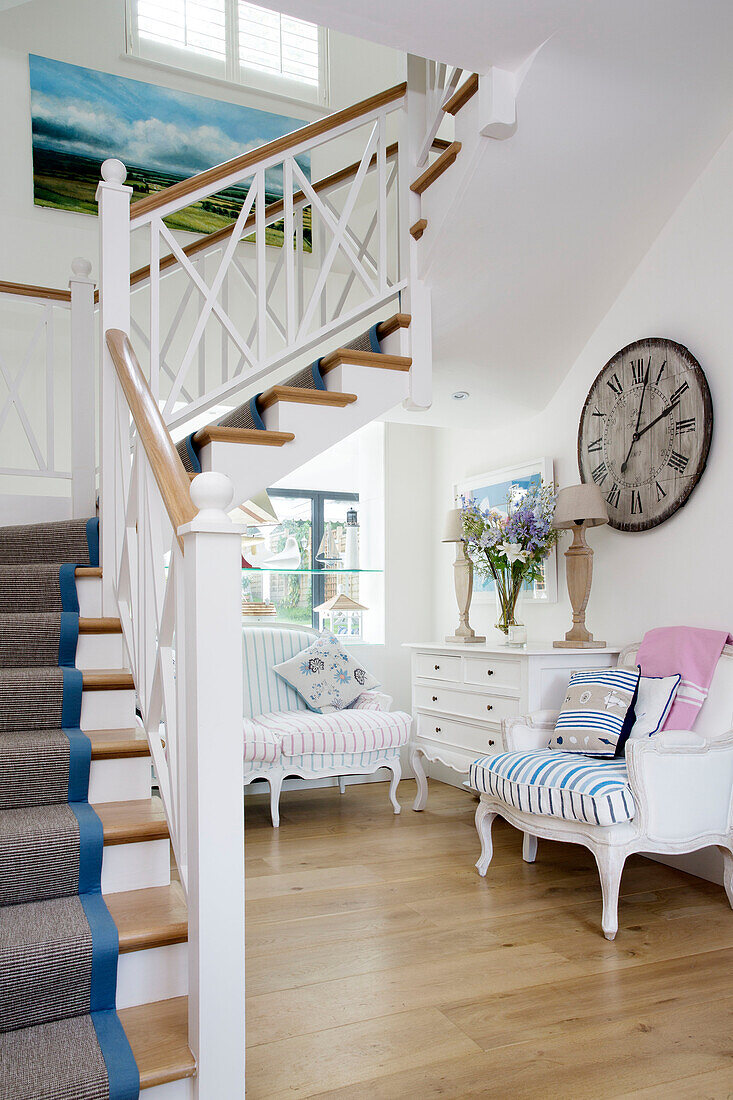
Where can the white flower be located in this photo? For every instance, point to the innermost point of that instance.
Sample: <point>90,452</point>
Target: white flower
<point>513,552</point>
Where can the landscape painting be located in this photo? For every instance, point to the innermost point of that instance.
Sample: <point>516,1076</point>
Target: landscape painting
<point>81,117</point>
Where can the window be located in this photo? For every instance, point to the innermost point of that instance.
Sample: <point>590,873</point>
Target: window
<point>233,40</point>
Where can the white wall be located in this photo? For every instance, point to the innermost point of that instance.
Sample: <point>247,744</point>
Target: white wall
<point>678,572</point>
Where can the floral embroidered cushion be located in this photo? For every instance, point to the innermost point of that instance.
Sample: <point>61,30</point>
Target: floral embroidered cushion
<point>326,675</point>
<point>597,712</point>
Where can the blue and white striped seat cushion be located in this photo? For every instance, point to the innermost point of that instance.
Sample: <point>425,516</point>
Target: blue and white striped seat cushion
<point>344,731</point>
<point>558,785</point>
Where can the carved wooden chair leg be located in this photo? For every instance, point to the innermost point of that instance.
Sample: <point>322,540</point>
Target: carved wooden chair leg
<point>529,848</point>
<point>342,784</point>
<point>420,778</point>
<point>727,854</point>
<point>396,769</point>
<point>610,867</point>
<point>484,821</point>
<point>276,782</point>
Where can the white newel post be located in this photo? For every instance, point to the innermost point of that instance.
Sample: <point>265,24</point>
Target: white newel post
<point>416,296</point>
<point>215,798</point>
<point>113,199</point>
<point>83,414</point>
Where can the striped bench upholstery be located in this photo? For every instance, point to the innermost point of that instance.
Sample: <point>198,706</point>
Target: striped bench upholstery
<point>344,731</point>
<point>261,745</point>
<point>557,784</point>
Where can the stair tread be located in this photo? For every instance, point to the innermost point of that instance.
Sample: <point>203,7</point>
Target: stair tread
<point>214,433</point>
<point>133,821</point>
<point>155,917</point>
<point>158,1036</point>
<point>417,230</point>
<point>108,744</point>
<point>392,324</point>
<point>88,571</point>
<point>364,359</point>
<point>107,679</point>
<point>436,169</point>
<point>105,625</point>
<point>302,396</point>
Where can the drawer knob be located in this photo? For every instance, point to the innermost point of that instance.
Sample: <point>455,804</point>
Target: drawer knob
<point>489,706</point>
<point>491,742</point>
<point>438,729</point>
<point>489,672</point>
<point>436,667</point>
<point>435,698</point>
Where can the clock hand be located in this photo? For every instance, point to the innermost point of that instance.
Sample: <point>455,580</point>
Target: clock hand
<point>656,419</point>
<point>635,436</point>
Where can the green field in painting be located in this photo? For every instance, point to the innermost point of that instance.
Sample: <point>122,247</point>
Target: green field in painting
<point>68,182</point>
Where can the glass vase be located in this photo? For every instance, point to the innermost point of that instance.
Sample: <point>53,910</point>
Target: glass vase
<point>509,585</point>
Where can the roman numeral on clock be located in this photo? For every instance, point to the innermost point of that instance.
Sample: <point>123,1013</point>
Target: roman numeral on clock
<point>596,444</point>
<point>686,426</point>
<point>675,397</point>
<point>637,370</point>
<point>597,412</point>
<point>660,492</point>
<point>600,474</point>
<point>615,384</point>
<point>636,508</point>
<point>678,462</point>
<point>614,496</point>
<point>661,371</point>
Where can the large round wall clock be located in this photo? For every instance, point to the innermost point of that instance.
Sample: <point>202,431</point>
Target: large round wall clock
<point>645,432</point>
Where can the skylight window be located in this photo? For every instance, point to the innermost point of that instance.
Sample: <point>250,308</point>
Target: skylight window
<point>233,40</point>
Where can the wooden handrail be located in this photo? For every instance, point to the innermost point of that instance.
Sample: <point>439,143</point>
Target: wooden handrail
<point>273,148</point>
<point>165,461</point>
<point>24,290</point>
<point>275,208</point>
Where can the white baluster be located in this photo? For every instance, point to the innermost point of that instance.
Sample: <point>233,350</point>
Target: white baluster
<point>113,198</point>
<point>214,804</point>
<point>83,448</point>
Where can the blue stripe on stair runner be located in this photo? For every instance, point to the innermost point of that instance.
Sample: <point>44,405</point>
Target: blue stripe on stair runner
<point>67,588</point>
<point>93,540</point>
<point>124,1079</point>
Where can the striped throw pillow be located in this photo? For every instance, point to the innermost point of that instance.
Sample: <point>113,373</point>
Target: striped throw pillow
<point>598,708</point>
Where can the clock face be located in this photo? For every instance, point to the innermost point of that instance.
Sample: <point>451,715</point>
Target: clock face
<point>645,432</point>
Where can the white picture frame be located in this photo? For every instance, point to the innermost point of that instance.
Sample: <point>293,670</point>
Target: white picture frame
<point>496,484</point>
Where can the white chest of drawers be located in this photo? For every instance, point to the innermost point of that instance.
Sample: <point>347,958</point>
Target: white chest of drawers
<point>461,694</point>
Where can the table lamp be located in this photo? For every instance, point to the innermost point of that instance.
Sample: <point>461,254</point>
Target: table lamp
<point>463,578</point>
<point>578,507</point>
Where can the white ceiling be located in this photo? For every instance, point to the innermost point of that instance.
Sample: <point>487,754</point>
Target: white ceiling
<point>620,112</point>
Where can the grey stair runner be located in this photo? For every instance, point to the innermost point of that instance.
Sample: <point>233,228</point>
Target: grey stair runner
<point>60,1037</point>
<point>247,416</point>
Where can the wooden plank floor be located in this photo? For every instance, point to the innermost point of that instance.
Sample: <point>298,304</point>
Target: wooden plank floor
<point>380,966</point>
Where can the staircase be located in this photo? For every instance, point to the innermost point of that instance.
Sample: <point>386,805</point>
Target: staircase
<point>158,655</point>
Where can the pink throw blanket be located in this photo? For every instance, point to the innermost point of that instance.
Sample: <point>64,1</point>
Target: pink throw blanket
<point>693,653</point>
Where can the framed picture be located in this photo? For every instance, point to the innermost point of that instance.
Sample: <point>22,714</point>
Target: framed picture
<point>491,490</point>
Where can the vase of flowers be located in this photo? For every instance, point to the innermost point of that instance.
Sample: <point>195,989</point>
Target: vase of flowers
<point>510,547</point>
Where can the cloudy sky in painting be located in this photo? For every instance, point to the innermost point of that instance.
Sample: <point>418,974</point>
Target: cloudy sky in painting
<point>87,113</point>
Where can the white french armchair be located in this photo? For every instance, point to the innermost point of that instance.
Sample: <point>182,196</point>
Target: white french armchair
<point>672,794</point>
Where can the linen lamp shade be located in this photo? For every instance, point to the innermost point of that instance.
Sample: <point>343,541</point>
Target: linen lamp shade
<point>580,504</point>
<point>453,526</point>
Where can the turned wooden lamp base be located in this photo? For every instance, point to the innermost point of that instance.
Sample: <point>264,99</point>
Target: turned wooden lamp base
<point>463,578</point>
<point>579,569</point>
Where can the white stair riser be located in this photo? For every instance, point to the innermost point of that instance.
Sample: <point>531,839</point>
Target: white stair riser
<point>89,591</point>
<point>136,866</point>
<point>100,651</point>
<point>174,1090</point>
<point>152,975</point>
<point>316,427</point>
<point>120,780</point>
<point>108,710</point>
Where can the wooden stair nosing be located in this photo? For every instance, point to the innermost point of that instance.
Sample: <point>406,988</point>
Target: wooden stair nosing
<point>217,433</point>
<point>118,744</point>
<point>462,95</point>
<point>133,821</point>
<point>300,396</point>
<point>154,917</point>
<point>440,143</point>
<point>435,170</point>
<point>105,625</point>
<point>158,1036</point>
<point>107,679</point>
<point>392,324</point>
<point>364,359</point>
<point>417,230</point>
<point>88,571</point>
